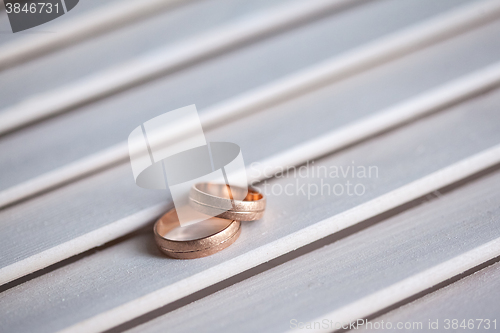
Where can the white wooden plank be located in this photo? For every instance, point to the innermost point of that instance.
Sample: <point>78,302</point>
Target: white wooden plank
<point>89,293</point>
<point>53,170</point>
<point>83,8</point>
<point>170,58</point>
<point>109,16</point>
<point>20,260</point>
<point>472,298</point>
<point>407,111</point>
<point>166,28</point>
<point>414,284</point>
<point>367,271</point>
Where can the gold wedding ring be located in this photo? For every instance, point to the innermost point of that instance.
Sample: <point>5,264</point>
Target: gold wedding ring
<point>215,233</point>
<point>194,241</point>
<point>217,200</point>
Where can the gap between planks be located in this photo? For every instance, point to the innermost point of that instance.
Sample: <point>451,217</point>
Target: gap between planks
<point>412,109</point>
<point>155,64</point>
<point>98,21</point>
<point>337,68</point>
<point>312,257</point>
<point>391,200</point>
<point>411,286</point>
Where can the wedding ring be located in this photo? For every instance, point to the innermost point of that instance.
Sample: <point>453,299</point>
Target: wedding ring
<point>217,200</point>
<point>194,241</point>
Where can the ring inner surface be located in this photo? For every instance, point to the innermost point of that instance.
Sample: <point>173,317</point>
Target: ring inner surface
<point>169,228</point>
<point>223,190</point>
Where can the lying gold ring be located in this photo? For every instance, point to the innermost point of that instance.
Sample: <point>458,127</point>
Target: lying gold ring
<point>185,242</point>
<point>216,200</point>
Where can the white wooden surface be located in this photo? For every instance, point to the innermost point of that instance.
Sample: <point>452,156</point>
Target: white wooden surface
<point>150,280</point>
<point>399,81</point>
<point>79,11</point>
<point>65,188</point>
<point>473,297</point>
<point>340,275</point>
<point>88,19</point>
<point>165,59</point>
<point>233,79</point>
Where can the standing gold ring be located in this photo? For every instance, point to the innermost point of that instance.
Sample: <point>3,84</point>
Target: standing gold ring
<point>186,243</point>
<point>217,200</point>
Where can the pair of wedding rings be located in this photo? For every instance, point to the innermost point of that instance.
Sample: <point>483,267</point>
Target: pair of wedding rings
<point>215,233</point>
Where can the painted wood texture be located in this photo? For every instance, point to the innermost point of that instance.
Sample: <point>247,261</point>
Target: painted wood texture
<point>166,55</point>
<point>334,106</point>
<point>151,280</point>
<point>414,97</point>
<point>340,274</point>
<point>88,136</point>
<point>473,297</point>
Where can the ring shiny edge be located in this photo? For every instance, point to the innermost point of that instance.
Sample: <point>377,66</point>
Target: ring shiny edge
<point>241,210</point>
<point>229,214</point>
